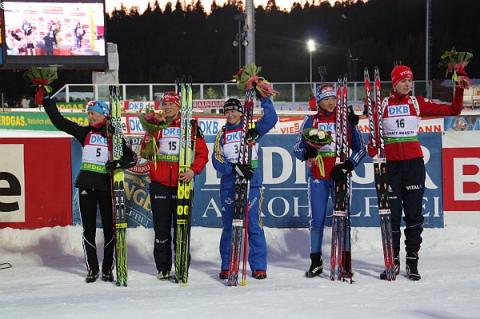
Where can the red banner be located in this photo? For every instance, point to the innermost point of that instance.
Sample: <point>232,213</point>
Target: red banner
<point>36,182</point>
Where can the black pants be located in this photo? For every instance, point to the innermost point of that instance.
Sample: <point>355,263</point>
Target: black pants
<point>89,199</point>
<point>164,211</point>
<point>407,180</point>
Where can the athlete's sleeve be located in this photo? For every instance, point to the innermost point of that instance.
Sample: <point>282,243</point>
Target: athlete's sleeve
<point>63,124</point>
<point>269,118</point>
<point>201,155</point>
<point>358,146</point>
<point>300,144</point>
<point>218,160</point>
<point>430,108</point>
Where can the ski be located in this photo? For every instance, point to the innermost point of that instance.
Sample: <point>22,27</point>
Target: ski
<point>380,170</point>
<point>119,211</point>
<point>340,250</point>
<point>184,189</point>
<point>241,205</point>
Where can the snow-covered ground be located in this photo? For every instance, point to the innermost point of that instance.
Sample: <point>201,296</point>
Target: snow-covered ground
<point>47,279</point>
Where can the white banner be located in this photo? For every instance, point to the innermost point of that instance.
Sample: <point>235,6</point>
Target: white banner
<point>12,183</point>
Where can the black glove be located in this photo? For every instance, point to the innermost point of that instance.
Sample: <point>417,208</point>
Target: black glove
<point>257,92</point>
<point>352,117</point>
<point>117,164</point>
<point>252,134</point>
<point>243,170</point>
<point>341,170</point>
<point>310,152</point>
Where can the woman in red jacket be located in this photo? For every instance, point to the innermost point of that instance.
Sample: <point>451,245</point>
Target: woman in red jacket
<point>405,166</point>
<point>164,179</point>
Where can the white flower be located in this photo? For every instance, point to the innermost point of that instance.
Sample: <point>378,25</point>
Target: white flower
<point>321,135</point>
<point>313,132</point>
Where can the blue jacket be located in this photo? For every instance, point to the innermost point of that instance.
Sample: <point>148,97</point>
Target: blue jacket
<point>262,126</point>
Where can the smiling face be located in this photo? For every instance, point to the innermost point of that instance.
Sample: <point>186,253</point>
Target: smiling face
<point>233,117</point>
<point>171,109</point>
<point>404,86</point>
<point>327,104</point>
<point>95,119</point>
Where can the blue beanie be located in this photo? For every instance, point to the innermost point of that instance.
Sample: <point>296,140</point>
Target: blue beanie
<point>324,91</point>
<point>99,107</point>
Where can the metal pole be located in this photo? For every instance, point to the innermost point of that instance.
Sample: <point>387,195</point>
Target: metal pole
<point>427,47</point>
<point>239,39</point>
<point>311,82</point>
<point>250,29</point>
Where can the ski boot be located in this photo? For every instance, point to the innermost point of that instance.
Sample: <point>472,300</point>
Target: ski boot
<point>259,274</point>
<point>412,267</point>
<point>107,276</point>
<point>92,276</point>
<point>316,267</point>
<point>223,274</point>
<point>396,268</point>
<point>163,275</point>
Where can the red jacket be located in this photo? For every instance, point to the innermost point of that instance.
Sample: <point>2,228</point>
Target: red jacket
<point>398,148</point>
<point>166,172</point>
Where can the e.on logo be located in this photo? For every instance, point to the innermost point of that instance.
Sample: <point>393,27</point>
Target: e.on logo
<point>12,183</point>
<point>461,172</point>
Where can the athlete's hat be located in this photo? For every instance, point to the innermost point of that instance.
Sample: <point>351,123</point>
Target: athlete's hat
<point>233,105</point>
<point>399,73</point>
<point>99,107</point>
<point>324,91</point>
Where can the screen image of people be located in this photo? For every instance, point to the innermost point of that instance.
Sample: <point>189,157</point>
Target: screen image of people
<point>54,28</point>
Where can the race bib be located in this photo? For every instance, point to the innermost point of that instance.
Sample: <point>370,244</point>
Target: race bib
<point>95,154</point>
<point>399,122</point>
<point>329,148</point>
<point>169,144</point>
<point>231,147</point>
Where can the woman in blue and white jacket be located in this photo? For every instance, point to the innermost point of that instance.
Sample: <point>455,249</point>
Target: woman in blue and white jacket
<point>225,161</point>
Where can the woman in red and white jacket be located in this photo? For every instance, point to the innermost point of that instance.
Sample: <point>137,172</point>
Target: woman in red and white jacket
<point>164,179</point>
<point>405,166</point>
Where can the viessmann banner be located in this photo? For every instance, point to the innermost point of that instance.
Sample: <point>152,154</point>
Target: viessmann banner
<point>285,202</point>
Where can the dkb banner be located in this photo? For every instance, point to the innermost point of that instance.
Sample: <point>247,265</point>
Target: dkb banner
<point>285,200</point>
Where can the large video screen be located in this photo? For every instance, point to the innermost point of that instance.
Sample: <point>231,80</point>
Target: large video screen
<point>69,34</point>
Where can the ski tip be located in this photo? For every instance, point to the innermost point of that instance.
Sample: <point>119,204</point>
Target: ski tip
<point>243,282</point>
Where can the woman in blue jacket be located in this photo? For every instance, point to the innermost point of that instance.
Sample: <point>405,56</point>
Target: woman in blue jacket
<point>225,161</point>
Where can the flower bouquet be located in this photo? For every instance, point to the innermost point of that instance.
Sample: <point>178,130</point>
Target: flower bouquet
<point>41,77</point>
<point>247,78</point>
<point>454,63</point>
<point>316,139</point>
<point>152,122</point>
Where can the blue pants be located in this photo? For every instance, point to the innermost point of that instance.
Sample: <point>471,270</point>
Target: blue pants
<point>318,192</point>
<point>257,252</point>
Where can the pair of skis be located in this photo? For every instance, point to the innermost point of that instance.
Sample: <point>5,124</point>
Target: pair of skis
<point>380,170</point>
<point>340,251</point>
<point>239,243</point>
<point>119,211</point>
<point>184,189</point>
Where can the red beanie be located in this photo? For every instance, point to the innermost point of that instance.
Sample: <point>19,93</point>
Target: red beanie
<point>399,73</point>
<point>171,97</point>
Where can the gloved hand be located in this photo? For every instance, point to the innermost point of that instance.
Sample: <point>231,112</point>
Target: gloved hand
<point>243,170</point>
<point>251,135</point>
<point>257,92</point>
<point>341,170</point>
<point>372,151</point>
<point>352,117</point>
<point>117,164</point>
<point>310,152</point>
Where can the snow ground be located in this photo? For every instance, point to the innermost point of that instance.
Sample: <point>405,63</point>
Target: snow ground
<point>47,279</point>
